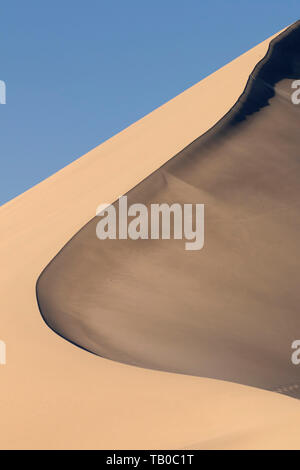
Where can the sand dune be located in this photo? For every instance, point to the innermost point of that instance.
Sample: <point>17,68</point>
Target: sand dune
<point>229,311</point>
<point>55,395</point>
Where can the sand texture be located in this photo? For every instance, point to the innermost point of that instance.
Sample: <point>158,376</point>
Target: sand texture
<point>227,312</point>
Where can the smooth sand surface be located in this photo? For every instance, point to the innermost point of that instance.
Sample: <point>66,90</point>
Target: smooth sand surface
<point>55,395</point>
<point>229,311</point>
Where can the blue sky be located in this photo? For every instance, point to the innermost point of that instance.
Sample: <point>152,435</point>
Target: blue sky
<point>77,72</point>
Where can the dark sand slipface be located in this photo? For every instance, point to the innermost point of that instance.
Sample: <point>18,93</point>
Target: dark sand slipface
<point>231,310</point>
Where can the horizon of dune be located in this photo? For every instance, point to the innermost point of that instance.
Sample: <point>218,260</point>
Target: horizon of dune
<point>55,395</point>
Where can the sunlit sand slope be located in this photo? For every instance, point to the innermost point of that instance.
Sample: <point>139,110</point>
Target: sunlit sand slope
<point>55,395</point>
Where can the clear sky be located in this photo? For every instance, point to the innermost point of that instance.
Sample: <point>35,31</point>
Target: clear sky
<point>77,72</point>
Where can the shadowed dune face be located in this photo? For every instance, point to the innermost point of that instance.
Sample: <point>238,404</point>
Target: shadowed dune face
<point>231,310</point>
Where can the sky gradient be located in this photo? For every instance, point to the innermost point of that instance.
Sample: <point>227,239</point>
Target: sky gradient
<point>78,72</point>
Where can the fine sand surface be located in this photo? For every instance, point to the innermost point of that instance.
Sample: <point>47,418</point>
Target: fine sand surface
<point>55,395</point>
<point>231,310</point>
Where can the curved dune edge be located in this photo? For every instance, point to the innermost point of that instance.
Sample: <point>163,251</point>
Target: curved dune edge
<point>54,395</point>
<point>229,311</point>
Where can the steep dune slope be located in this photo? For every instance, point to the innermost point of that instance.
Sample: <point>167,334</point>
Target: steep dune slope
<point>54,395</point>
<point>229,311</point>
